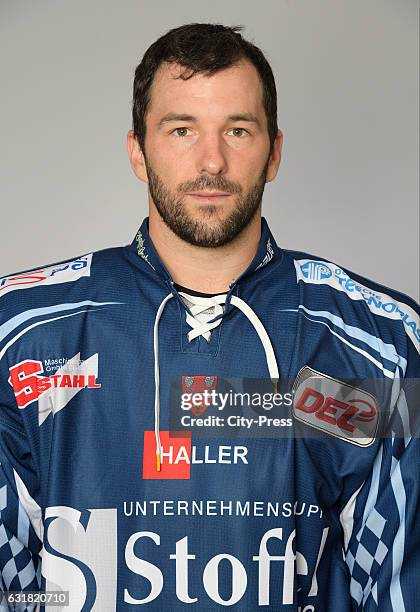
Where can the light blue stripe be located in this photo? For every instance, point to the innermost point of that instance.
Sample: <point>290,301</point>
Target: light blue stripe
<point>17,320</point>
<point>374,488</point>
<point>395,392</point>
<point>36,324</point>
<point>3,497</point>
<point>398,402</point>
<point>388,351</point>
<point>403,410</point>
<point>395,591</point>
<point>23,526</point>
<point>363,352</point>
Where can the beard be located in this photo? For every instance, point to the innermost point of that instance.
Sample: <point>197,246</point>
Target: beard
<point>218,231</point>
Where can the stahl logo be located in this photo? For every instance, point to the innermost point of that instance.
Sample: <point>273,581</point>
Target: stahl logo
<point>29,384</point>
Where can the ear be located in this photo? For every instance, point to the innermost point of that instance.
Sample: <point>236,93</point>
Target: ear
<point>275,157</point>
<point>136,157</point>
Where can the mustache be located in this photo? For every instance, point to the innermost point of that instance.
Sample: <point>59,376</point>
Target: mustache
<point>210,182</point>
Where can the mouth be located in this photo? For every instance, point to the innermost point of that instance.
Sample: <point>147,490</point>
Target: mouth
<point>209,196</point>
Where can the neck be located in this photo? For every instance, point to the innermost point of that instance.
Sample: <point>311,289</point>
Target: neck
<point>206,269</point>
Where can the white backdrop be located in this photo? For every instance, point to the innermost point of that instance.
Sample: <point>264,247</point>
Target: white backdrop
<point>347,78</point>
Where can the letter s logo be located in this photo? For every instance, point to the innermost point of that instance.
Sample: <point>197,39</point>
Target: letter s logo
<point>24,378</point>
<point>77,558</point>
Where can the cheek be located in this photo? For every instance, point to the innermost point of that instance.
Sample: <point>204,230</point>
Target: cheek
<point>175,175</point>
<point>249,173</point>
<point>171,171</point>
<point>250,161</point>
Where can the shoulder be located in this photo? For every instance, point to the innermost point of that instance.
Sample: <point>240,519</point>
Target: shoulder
<point>54,282</point>
<point>316,270</point>
<point>329,287</point>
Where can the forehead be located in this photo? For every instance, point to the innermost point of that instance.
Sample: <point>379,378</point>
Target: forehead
<point>230,90</point>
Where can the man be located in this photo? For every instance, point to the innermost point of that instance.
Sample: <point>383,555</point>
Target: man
<point>200,418</point>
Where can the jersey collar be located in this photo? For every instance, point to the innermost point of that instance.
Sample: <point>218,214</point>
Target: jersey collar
<point>142,251</point>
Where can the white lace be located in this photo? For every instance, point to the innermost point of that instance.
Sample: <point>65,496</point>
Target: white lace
<point>203,309</point>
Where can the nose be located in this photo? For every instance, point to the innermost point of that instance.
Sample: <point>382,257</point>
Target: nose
<point>211,157</point>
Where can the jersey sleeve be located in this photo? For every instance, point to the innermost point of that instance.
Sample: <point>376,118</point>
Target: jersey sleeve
<point>20,511</point>
<point>382,548</point>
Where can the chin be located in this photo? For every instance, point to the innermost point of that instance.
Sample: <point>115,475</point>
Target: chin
<point>210,212</point>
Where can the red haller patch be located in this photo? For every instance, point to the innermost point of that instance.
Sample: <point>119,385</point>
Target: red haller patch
<point>176,448</point>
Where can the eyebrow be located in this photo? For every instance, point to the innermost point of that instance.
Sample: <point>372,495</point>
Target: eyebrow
<point>249,117</point>
<point>176,117</point>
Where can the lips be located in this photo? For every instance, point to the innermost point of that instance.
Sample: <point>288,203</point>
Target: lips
<point>209,195</point>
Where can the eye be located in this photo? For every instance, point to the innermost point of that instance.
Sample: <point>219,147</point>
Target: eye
<point>239,132</point>
<point>181,132</point>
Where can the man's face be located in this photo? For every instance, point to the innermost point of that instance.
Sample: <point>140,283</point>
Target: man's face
<point>207,152</point>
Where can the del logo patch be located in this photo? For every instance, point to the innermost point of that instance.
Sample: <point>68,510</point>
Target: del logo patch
<point>335,407</point>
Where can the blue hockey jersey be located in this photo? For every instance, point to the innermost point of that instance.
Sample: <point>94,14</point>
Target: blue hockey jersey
<point>252,450</point>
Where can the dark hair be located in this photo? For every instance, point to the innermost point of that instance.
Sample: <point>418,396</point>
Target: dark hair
<point>200,47</point>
